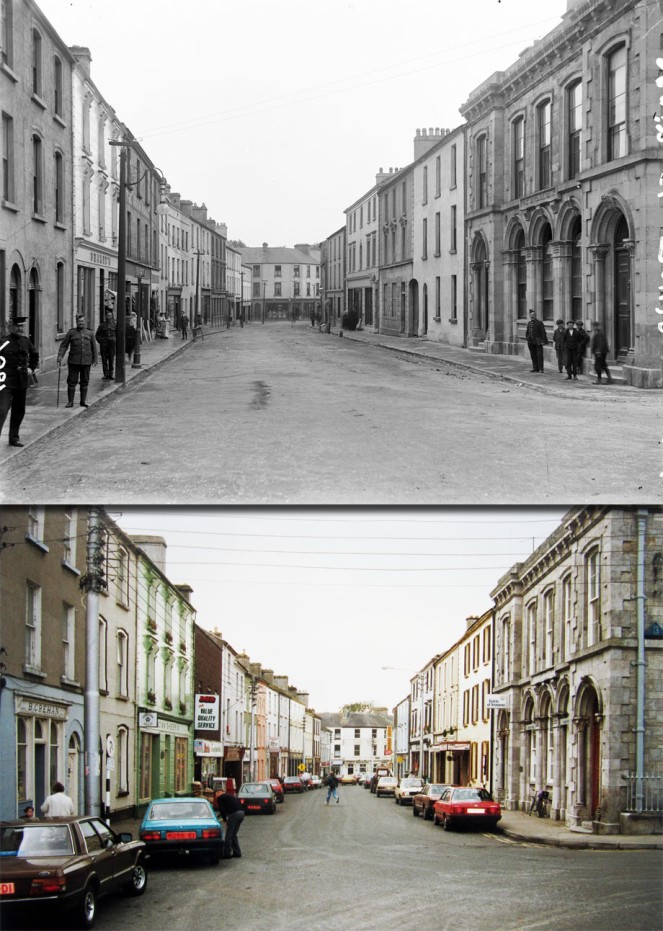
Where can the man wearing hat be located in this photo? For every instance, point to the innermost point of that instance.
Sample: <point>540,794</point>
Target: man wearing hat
<point>18,358</point>
<point>571,344</point>
<point>536,338</point>
<point>106,336</point>
<point>82,354</point>
<point>558,340</point>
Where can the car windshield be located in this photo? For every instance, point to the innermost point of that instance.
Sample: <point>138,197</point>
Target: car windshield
<point>471,795</point>
<point>255,788</point>
<point>292,779</point>
<point>387,781</point>
<point>435,788</point>
<point>411,782</point>
<point>180,811</point>
<point>38,840</point>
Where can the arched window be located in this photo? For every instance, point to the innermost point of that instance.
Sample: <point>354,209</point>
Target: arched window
<point>543,123</point>
<point>37,176</point>
<point>576,270</point>
<point>36,63</point>
<point>617,103</point>
<point>547,288</point>
<point>592,597</point>
<point>574,141</point>
<point>521,277</point>
<point>481,174</point>
<point>122,760</point>
<point>57,86</point>
<point>548,628</point>
<point>103,655</point>
<point>519,157</point>
<point>122,663</point>
<point>567,618</point>
<point>506,649</point>
<point>531,638</point>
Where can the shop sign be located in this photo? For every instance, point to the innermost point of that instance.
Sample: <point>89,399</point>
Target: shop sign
<point>173,727</point>
<point>148,719</point>
<point>208,747</point>
<point>41,709</point>
<point>206,713</point>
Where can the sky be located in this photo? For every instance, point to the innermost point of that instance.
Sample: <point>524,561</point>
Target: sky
<point>279,115</point>
<point>348,603</point>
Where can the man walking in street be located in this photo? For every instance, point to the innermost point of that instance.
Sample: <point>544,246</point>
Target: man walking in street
<point>184,325</point>
<point>583,343</point>
<point>571,342</point>
<point>600,350</point>
<point>536,338</point>
<point>106,336</point>
<point>332,787</point>
<point>82,354</point>
<point>232,815</point>
<point>19,359</point>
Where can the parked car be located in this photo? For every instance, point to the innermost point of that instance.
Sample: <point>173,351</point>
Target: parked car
<point>64,866</point>
<point>348,779</point>
<point>377,774</point>
<point>368,780</point>
<point>316,782</point>
<point>182,826</point>
<point>278,789</point>
<point>293,784</point>
<point>257,797</point>
<point>422,802</point>
<point>407,787</point>
<point>386,785</point>
<point>466,805</point>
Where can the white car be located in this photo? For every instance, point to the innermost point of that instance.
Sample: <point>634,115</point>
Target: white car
<point>316,782</point>
<point>407,788</point>
<point>386,785</point>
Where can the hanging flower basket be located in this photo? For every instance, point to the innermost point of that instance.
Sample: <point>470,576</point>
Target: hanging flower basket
<point>168,704</point>
<point>151,697</point>
<point>152,625</point>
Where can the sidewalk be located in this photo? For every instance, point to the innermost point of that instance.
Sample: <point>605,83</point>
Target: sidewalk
<point>516,825</point>
<point>511,368</point>
<point>43,416</point>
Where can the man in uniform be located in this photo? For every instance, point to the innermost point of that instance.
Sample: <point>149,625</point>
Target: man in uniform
<point>536,338</point>
<point>106,336</point>
<point>18,358</point>
<point>82,354</point>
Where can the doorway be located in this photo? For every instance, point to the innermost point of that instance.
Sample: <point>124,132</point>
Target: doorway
<point>623,327</point>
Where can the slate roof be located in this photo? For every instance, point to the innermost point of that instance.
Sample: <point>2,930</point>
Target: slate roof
<point>357,719</point>
<point>278,255</point>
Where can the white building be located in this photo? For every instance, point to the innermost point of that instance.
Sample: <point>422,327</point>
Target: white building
<point>361,277</point>
<point>360,740</point>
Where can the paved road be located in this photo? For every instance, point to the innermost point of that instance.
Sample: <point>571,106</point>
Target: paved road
<point>289,415</point>
<point>368,864</point>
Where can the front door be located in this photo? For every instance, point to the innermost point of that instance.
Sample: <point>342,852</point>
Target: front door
<point>622,303</point>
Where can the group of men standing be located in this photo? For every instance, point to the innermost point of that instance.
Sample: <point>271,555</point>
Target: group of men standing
<point>570,341</point>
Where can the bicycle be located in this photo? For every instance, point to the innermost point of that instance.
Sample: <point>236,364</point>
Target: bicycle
<point>540,801</point>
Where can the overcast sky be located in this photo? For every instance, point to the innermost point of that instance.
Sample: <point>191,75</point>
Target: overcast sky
<point>329,597</point>
<point>277,115</point>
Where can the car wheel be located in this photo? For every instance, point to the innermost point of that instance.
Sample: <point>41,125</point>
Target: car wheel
<point>428,814</point>
<point>446,823</point>
<point>435,821</point>
<point>414,810</point>
<point>86,910</point>
<point>138,883</point>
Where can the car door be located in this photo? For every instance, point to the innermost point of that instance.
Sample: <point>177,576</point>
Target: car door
<point>101,849</point>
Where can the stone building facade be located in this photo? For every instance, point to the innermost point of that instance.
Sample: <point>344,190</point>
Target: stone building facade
<point>332,277</point>
<point>563,166</point>
<point>399,293</point>
<point>286,281</point>
<point>576,627</point>
<point>36,228</point>
<point>361,236</point>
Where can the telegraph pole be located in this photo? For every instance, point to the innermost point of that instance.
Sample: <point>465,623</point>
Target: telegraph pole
<point>91,583</point>
<point>252,762</point>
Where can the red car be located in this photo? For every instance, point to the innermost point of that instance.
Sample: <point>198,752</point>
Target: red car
<point>278,789</point>
<point>466,805</point>
<point>422,803</point>
<point>293,784</point>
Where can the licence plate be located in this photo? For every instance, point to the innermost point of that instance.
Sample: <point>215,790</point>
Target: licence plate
<point>181,835</point>
<point>7,889</point>
<point>253,807</point>
<point>476,811</point>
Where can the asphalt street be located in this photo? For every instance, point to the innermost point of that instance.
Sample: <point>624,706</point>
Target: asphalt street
<point>367,864</point>
<point>288,415</point>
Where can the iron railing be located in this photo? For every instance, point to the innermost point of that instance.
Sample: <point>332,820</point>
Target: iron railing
<point>644,793</point>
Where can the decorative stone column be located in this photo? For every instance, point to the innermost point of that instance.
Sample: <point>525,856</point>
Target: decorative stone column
<point>510,309</point>
<point>533,257</point>
<point>562,296</point>
<point>599,251</point>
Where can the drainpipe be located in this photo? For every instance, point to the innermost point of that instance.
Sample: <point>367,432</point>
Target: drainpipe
<point>90,583</point>
<point>640,662</point>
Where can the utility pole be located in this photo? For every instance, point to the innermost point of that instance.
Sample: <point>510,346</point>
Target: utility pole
<point>252,762</point>
<point>91,583</point>
<point>197,253</point>
<point>120,373</point>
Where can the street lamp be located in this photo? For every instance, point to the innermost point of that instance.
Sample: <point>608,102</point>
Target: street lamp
<point>124,144</point>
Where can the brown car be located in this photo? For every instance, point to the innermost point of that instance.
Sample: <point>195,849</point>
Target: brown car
<point>422,803</point>
<point>65,865</point>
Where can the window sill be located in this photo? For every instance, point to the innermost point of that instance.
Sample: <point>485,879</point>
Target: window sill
<point>39,218</point>
<point>38,543</point>
<point>437,319</point>
<point>453,320</point>
<point>72,683</point>
<point>37,99</point>
<point>452,251</point>
<point>68,565</point>
<point>59,120</point>
<point>438,195</point>
<point>122,604</point>
<point>60,226</point>
<point>4,67</point>
<point>8,205</point>
<point>437,255</point>
<point>33,671</point>
<point>121,698</point>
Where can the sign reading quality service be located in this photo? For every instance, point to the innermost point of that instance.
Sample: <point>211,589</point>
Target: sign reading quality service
<point>206,714</point>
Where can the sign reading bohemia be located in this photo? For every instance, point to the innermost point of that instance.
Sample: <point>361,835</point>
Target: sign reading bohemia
<point>206,714</point>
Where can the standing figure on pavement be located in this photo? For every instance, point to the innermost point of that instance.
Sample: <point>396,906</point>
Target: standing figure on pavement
<point>58,805</point>
<point>332,787</point>
<point>106,336</point>
<point>82,354</point>
<point>130,335</point>
<point>600,350</point>
<point>537,338</point>
<point>18,358</point>
<point>583,343</point>
<point>232,815</point>
<point>571,342</point>
<point>184,325</point>
<point>558,341</point>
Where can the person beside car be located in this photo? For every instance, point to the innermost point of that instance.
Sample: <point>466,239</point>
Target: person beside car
<point>58,804</point>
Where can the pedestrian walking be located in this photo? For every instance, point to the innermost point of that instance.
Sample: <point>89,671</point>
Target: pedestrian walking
<point>130,334</point>
<point>58,805</point>
<point>583,343</point>
<point>232,815</point>
<point>184,325</point>
<point>80,343</point>
<point>106,336</point>
<point>332,788</point>
<point>19,362</point>
<point>558,341</point>
<point>571,342</point>
<point>537,338</point>
<point>600,349</point>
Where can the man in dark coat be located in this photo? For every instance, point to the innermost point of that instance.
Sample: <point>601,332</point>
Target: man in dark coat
<point>106,336</point>
<point>558,341</point>
<point>232,815</point>
<point>583,343</point>
<point>571,343</point>
<point>18,359</point>
<point>82,354</point>
<point>600,350</point>
<point>537,338</point>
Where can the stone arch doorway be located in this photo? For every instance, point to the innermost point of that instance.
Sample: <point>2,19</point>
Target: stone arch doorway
<point>480,266</point>
<point>425,321</point>
<point>413,296</point>
<point>613,251</point>
<point>34,293</point>
<point>15,292</point>
<point>622,247</point>
<point>588,734</point>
